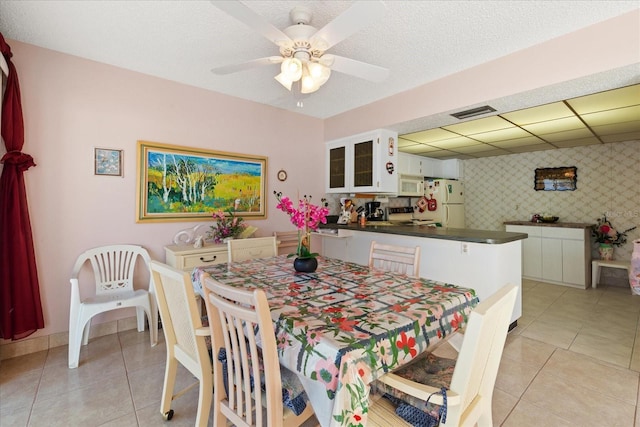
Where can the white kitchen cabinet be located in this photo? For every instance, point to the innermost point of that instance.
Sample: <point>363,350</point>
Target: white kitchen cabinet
<point>365,163</point>
<point>557,255</point>
<point>411,164</point>
<point>451,169</point>
<point>531,250</point>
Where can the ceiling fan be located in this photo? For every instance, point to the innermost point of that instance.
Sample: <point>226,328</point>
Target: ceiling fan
<point>303,56</point>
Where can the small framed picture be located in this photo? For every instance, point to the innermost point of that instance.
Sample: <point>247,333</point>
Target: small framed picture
<point>108,162</point>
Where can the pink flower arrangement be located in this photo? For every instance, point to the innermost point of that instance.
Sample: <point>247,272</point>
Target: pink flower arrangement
<point>227,226</point>
<point>306,217</point>
<point>605,233</point>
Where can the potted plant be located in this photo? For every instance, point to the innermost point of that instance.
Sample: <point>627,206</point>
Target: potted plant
<point>306,217</point>
<point>607,237</point>
<point>226,227</point>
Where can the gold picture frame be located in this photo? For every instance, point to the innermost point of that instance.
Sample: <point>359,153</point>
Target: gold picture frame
<point>178,183</point>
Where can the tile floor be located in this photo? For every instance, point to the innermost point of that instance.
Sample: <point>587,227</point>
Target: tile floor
<point>573,360</point>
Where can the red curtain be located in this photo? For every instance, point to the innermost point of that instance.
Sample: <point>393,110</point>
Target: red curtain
<point>20,308</point>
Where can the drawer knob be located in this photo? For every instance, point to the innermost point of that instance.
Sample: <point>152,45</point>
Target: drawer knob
<point>208,260</point>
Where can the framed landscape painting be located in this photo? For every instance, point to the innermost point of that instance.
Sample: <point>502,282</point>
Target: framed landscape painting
<point>181,184</point>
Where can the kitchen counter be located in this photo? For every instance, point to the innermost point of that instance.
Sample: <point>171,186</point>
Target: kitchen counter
<point>455,234</point>
<point>550,224</point>
<point>479,259</point>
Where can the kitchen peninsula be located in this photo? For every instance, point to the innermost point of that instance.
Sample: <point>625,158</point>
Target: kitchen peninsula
<point>480,259</point>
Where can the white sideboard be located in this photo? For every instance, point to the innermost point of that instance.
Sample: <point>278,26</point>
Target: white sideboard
<point>559,255</point>
<point>186,257</point>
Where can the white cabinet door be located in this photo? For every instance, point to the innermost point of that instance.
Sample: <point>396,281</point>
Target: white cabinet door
<point>531,250</point>
<point>552,259</point>
<point>573,262</point>
<point>410,164</point>
<point>337,167</point>
<point>452,169</point>
<point>532,257</point>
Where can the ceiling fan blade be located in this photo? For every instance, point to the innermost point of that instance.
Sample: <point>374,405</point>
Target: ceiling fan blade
<point>252,20</point>
<point>352,20</point>
<point>352,67</point>
<point>233,68</point>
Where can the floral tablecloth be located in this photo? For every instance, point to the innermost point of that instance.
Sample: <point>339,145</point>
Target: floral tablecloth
<point>345,325</point>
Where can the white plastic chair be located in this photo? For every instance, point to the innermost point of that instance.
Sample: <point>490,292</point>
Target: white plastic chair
<point>257,247</point>
<point>470,391</point>
<point>185,337</point>
<point>398,259</point>
<point>234,317</point>
<point>113,268</point>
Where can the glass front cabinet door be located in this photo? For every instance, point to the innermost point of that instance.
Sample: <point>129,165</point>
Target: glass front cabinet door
<point>365,162</point>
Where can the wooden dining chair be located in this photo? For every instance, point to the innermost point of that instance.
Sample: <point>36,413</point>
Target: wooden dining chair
<point>287,241</point>
<point>257,247</point>
<point>185,337</point>
<point>240,319</point>
<point>399,259</point>
<point>469,380</point>
<point>114,271</point>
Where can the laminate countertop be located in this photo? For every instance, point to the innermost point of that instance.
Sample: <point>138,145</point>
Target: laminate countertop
<point>551,224</point>
<point>456,234</point>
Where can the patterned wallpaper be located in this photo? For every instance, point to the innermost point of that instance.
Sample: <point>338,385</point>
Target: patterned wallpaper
<point>500,188</point>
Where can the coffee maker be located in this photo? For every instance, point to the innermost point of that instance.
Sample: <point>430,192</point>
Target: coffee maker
<point>373,212</point>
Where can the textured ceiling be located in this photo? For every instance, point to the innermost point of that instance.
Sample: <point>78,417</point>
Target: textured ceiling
<point>419,41</point>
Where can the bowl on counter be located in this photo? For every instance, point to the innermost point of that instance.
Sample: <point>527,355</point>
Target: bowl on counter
<point>549,219</point>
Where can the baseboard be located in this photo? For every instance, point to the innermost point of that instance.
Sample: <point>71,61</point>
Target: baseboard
<point>33,345</point>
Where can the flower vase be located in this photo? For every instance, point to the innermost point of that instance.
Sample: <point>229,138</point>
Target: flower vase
<point>634,270</point>
<point>305,265</point>
<point>606,251</point>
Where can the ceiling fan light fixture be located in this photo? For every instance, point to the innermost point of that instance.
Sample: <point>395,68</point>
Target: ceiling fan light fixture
<point>284,81</point>
<point>292,69</point>
<point>319,72</point>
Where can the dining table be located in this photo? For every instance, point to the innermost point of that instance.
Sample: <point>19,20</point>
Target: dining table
<point>344,325</point>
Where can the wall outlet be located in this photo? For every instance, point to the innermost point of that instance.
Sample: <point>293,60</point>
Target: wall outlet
<point>464,248</point>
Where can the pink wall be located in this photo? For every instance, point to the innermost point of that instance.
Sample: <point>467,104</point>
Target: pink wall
<point>72,105</point>
<point>601,47</point>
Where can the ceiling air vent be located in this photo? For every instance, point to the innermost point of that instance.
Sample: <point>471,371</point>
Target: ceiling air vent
<point>473,112</point>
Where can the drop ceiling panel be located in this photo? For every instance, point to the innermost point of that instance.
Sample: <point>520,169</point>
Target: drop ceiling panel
<point>606,117</point>
<point>442,154</point>
<point>431,135</point>
<point>554,126</point>
<point>502,134</point>
<point>567,135</point>
<point>460,141</point>
<point>618,115</point>
<point>520,142</point>
<point>492,153</point>
<point>608,100</point>
<point>542,113</point>
<point>530,148</point>
<point>577,142</point>
<point>617,128</point>
<point>405,142</point>
<point>479,126</point>
<point>420,148</point>
<point>475,148</point>
<point>622,137</point>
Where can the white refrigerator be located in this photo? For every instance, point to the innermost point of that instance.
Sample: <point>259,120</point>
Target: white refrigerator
<point>448,208</point>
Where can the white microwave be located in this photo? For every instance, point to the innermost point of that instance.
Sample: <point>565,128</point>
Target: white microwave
<point>411,185</point>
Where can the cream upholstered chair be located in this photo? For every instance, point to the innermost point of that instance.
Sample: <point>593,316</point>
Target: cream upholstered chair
<point>185,337</point>
<point>287,241</point>
<point>399,259</point>
<point>473,374</point>
<point>113,268</point>
<point>238,355</point>
<point>257,247</point>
